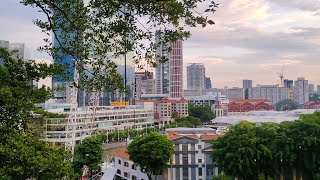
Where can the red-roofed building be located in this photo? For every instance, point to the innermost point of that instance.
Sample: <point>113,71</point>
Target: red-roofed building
<point>312,105</point>
<point>192,153</point>
<point>240,106</point>
<point>165,108</point>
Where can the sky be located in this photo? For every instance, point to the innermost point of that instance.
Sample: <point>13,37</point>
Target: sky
<point>252,39</point>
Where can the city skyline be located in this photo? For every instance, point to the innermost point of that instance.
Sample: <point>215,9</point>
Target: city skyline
<point>250,39</point>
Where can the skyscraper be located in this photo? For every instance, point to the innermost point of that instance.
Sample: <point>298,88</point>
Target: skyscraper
<point>246,84</point>
<point>311,89</point>
<point>196,76</point>
<point>288,83</point>
<point>208,83</point>
<point>318,89</point>
<point>301,90</point>
<point>169,78</point>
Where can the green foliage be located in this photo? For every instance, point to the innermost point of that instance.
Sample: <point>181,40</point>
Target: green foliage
<point>17,96</point>
<point>151,152</point>
<point>247,150</point>
<point>89,153</point>
<point>26,157</point>
<point>202,112</point>
<point>314,97</point>
<point>49,114</point>
<point>286,104</point>
<point>188,122</point>
<point>92,33</point>
<point>221,176</point>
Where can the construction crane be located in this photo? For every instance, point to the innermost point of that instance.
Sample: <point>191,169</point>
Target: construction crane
<point>281,75</point>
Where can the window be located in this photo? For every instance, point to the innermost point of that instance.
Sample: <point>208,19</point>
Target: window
<point>126,174</point>
<point>200,171</point>
<point>199,160</point>
<point>126,164</point>
<point>118,171</point>
<point>119,161</point>
<point>133,167</point>
<point>185,159</point>
<point>199,146</point>
<point>184,147</point>
<point>185,172</point>
<point>134,177</point>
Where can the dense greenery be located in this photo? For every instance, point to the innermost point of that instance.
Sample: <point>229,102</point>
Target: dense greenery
<point>151,152</point>
<point>188,122</point>
<point>26,157</point>
<point>247,150</point>
<point>17,96</point>
<point>22,155</point>
<point>89,153</point>
<point>93,32</point>
<point>286,104</point>
<point>49,114</point>
<point>202,112</point>
<point>314,97</point>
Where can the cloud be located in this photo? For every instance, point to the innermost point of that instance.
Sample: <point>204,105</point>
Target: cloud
<point>307,5</point>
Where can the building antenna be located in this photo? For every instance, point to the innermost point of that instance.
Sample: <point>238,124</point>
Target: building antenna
<point>281,75</point>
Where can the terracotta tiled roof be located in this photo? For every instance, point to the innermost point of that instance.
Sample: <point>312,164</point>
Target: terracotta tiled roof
<point>182,100</point>
<point>173,135</point>
<point>311,103</point>
<point>249,100</point>
<point>123,154</point>
<point>209,137</point>
<point>167,100</point>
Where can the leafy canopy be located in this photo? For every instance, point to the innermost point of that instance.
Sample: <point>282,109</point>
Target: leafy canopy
<point>93,32</point>
<point>248,150</point>
<point>26,157</point>
<point>202,112</point>
<point>151,152</point>
<point>89,153</point>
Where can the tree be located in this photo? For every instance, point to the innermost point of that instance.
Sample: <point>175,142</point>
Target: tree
<point>17,96</point>
<point>89,153</point>
<point>286,104</point>
<point>221,176</point>
<point>151,152</point>
<point>188,122</point>
<point>202,112</point>
<point>314,97</point>
<point>26,157</point>
<point>248,150</point>
<point>235,153</point>
<point>22,155</point>
<point>92,32</point>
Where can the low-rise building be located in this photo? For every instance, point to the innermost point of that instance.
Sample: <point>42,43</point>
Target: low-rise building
<point>165,108</point>
<point>192,156</point>
<point>241,106</point>
<point>312,105</point>
<point>84,122</point>
<point>191,159</point>
<point>127,169</point>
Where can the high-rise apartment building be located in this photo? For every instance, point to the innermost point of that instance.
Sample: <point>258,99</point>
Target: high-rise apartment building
<point>196,76</point>
<point>311,89</point>
<point>208,83</point>
<point>318,89</point>
<point>301,90</point>
<point>145,84</point>
<point>20,49</point>
<point>246,84</point>
<point>288,83</point>
<point>234,93</point>
<point>169,78</point>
